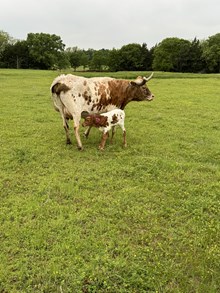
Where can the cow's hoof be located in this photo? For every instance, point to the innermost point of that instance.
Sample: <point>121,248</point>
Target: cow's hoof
<point>68,141</point>
<point>80,148</point>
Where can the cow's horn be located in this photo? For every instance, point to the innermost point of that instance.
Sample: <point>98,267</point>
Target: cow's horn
<point>148,78</point>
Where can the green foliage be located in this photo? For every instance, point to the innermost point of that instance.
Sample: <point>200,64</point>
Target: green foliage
<point>99,60</point>
<point>147,57</point>
<point>16,55</point>
<point>74,55</point>
<point>172,54</point>
<point>196,60</point>
<point>131,57</point>
<point>140,219</point>
<point>178,55</point>
<point>114,60</point>
<point>45,49</point>
<point>4,40</point>
<point>211,53</point>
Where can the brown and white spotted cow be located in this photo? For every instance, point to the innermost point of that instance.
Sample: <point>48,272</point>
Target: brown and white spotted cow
<point>104,122</point>
<point>74,94</point>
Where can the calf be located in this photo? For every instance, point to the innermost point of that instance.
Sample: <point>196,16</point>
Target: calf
<point>105,122</point>
<point>74,94</point>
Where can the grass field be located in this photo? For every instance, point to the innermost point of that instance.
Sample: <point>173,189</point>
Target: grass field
<point>140,219</point>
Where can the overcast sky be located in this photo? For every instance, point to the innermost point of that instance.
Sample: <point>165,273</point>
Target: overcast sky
<point>111,24</point>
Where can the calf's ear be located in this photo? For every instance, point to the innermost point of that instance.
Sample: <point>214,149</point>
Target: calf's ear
<point>84,114</point>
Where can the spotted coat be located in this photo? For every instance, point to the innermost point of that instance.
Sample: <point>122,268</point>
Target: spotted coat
<point>104,122</point>
<point>74,94</point>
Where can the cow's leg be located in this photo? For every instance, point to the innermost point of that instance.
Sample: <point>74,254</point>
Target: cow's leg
<point>76,131</point>
<point>66,128</point>
<point>103,141</point>
<point>59,107</point>
<point>113,133</point>
<point>86,133</point>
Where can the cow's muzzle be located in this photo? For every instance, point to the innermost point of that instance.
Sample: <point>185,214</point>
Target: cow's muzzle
<point>150,98</point>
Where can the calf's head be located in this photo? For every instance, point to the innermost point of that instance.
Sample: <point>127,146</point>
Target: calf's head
<point>94,120</point>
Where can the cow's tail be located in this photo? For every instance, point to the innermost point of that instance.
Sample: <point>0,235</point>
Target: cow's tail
<point>58,87</point>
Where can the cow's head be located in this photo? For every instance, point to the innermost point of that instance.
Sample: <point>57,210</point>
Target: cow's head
<point>139,89</point>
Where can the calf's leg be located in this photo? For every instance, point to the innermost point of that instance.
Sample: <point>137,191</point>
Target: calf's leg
<point>124,134</point>
<point>113,133</point>
<point>124,138</point>
<point>103,141</point>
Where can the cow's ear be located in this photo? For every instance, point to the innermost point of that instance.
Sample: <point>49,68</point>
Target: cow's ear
<point>139,81</point>
<point>133,83</point>
<point>84,114</point>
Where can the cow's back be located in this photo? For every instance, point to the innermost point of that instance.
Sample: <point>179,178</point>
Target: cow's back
<point>83,94</point>
<point>71,80</point>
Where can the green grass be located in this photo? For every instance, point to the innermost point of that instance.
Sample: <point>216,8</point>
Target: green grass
<point>140,219</point>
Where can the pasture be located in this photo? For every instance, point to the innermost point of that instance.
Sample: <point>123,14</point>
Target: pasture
<point>140,219</point>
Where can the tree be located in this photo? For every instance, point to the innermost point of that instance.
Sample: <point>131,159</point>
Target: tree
<point>114,60</point>
<point>99,60</point>
<point>62,61</point>
<point>183,56</point>
<point>77,57</point>
<point>131,57</point>
<point>171,55</point>
<point>16,55</point>
<point>45,50</point>
<point>84,60</point>
<point>5,39</point>
<point>211,53</point>
<point>74,55</point>
<point>195,56</point>
<point>147,58</point>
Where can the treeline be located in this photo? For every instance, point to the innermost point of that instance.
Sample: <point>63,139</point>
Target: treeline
<point>46,51</point>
